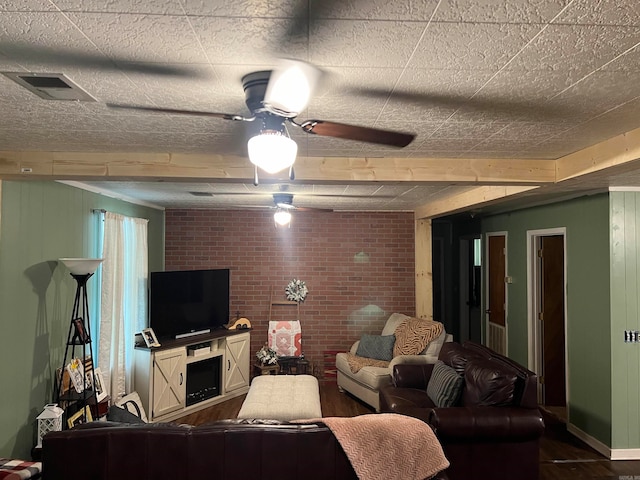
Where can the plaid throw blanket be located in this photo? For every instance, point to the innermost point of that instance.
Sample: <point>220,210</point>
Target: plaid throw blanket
<point>18,469</point>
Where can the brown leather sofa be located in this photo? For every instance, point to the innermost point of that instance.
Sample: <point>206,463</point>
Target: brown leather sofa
<point>494,429</point>
<point>224,450</point>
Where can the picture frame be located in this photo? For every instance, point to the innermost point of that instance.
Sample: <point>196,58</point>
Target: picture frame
<point>65,385</point>
<point>150,338</point>
<point>81,332</point>
<point>101,392</point>
<point>81,416</point>
<point>76,374</point>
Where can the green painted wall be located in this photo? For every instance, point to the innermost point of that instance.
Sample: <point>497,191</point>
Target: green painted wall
<point>588,301</point>
<point>625,314</point>
<point>39,223</point>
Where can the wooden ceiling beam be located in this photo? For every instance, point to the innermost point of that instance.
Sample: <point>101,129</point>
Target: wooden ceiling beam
<point>180,167</point>
<point>606,158</point>
<point>614,152</point>
<point>458,171</point>
<point>475,197</point>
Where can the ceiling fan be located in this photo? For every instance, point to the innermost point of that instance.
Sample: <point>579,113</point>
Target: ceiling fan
<point>275,98</point>
<point>284,201</point>
<point>283,205</point>
<point>272,110</point>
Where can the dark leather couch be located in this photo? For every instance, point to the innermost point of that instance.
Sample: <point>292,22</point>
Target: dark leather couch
<point>493,431</point>
<point>228,449</point>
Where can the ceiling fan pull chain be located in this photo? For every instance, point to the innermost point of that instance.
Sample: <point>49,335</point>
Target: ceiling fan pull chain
<point>255,175</point>
<point>292,175</point>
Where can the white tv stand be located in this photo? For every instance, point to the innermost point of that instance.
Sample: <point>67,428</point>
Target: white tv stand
<point>161,373</point>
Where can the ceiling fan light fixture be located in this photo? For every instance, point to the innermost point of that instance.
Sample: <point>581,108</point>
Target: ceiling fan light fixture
<point>282,218</point>
<point>290,87</point>
<point>272,151</point>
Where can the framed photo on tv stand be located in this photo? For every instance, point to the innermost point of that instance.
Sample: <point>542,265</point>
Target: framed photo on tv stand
<point>150,338</point>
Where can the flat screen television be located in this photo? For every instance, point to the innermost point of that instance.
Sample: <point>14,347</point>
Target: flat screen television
<point>188,302</point>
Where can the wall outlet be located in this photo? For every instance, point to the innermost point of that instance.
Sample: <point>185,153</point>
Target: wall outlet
<point>632,336</point>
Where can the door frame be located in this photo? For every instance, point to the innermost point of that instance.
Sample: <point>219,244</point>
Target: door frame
<point>486,259</point>
<point>443,286</point>
<point>464,266</point>
<point>533,295</point>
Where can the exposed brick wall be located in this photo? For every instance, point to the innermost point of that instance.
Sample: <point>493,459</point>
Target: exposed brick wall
<point>348,294</point>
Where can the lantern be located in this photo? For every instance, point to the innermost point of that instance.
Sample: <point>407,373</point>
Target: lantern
<point>50,420</point>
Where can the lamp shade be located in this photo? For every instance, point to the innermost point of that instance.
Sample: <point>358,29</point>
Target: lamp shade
<point>81,266</point>
<point>272,151</point>
<point>282,217</point>
<point>290,87</point>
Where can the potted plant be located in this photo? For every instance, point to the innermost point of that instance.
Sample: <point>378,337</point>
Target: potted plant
<point>267,356</point>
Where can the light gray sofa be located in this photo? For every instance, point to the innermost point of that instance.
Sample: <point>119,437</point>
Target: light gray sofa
<point>366,383</point>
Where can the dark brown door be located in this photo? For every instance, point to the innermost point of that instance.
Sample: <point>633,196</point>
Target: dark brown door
<point>496,335</point>
<point>552,319</point>
<point>497,296</point>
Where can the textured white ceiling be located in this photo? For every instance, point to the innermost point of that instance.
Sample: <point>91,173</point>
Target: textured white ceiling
<point>472,78</point>
<point>361,197</point>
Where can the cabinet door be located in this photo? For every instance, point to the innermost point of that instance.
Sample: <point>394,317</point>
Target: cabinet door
<point>237,362</point>
<point>169,381</point>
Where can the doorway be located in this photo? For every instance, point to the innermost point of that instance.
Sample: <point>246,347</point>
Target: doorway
<point>470,288</point>
<point>547,316</point>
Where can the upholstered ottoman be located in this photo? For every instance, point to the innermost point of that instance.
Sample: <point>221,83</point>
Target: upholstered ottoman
<point>282,397</point>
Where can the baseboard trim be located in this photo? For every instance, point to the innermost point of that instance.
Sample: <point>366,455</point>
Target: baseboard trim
<point>589,440</point>
<point>611,454</point>
<point>625,454</point>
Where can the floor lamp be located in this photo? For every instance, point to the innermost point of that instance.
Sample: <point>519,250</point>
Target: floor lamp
<point>81,269</point>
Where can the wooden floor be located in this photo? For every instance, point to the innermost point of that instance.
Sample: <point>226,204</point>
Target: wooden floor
<point>562,456</point>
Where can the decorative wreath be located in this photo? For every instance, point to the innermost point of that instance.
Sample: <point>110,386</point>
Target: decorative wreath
<point>296,290</point>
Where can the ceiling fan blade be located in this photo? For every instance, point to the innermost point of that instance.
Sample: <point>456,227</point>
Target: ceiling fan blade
<point>304,17</point>
<point>255,207</point>
<point>352,132</point>
<point>225,116</point>
<point>67,57</point>
<point>511,108</point>
<point>312,209</point>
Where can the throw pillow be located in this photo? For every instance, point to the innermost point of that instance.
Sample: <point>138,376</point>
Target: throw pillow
<point>379,347</point>
<point>413,336</point>
<point>444,386</point>
<point>133,404</point>
<point>119,414</point>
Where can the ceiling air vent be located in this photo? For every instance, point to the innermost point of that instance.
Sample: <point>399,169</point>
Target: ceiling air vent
<point>50,86</point>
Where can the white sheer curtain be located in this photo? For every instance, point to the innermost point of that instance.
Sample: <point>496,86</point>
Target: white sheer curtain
<point>123,306</point>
